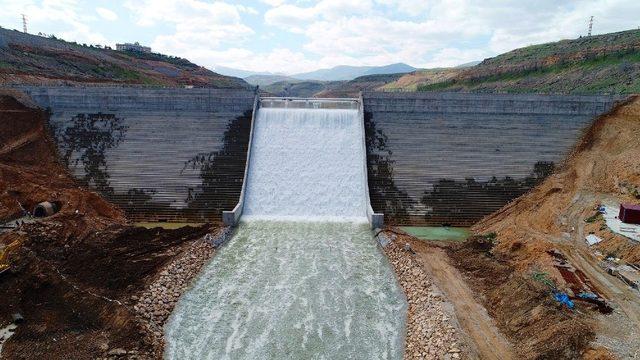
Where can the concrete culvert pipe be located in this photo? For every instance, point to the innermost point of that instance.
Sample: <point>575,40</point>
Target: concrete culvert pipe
<point>46,208</point>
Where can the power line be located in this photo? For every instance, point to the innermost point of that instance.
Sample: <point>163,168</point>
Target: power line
<point>590,25</point>
<point>24,23</point>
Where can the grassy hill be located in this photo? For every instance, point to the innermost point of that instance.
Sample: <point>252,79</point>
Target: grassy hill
<point>608,63</point>
<point>330,89</point>
<point>31,59</point>
<point>411,81</point>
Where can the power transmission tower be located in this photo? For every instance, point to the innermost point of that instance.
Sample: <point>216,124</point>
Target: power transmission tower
<point>24,23</point>
<point>590,25</point>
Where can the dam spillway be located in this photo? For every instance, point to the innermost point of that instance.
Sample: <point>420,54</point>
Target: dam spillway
<point>302,277</point>
<point>308,165</point>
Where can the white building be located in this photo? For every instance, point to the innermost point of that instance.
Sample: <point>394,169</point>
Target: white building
<point>133,47</point>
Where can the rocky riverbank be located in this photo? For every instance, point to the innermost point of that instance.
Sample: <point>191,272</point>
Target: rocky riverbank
<point>432,331</point>
<point>154,305</point>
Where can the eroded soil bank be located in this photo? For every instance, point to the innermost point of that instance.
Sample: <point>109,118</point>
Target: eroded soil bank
<point>534,248</point>
<point>86,284</point>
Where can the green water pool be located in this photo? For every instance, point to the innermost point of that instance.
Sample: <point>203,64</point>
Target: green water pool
<point>438,232</point>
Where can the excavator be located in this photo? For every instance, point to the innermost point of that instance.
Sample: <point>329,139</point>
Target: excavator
<point>4,254</point>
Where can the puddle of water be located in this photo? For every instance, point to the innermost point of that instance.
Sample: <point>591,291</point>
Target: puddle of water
<point>292,290</point>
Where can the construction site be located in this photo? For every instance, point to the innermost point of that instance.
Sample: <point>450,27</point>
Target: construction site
<point>181,222</point>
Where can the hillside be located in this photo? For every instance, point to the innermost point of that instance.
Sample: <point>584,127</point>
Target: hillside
<point>353,87</point>
<point>411,81</point>
<point>297,88</point>
<point>31,59</point>
<point>608,63</point>
<point>551,222</point>
<point>264,80</point>
<point>344,72</point>
<point>329,89</point>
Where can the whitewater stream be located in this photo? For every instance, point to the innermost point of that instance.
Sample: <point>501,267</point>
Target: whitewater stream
<point>302,278</point>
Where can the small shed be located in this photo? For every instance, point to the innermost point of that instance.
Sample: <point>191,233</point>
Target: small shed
<point>629,213</point>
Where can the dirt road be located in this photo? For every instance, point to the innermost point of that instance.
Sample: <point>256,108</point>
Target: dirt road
<point>486,340</point>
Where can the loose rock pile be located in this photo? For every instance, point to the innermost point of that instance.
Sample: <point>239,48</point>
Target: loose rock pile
<point>431,333</point>
<point>156,303</point>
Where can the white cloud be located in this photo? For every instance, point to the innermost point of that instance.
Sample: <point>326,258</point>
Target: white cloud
<point>107,14</point>
<point>66,14</point>
<point>273,2</point>
<point>200,27</point>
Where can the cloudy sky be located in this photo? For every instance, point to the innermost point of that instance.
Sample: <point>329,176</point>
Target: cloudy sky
<point>290,36</point>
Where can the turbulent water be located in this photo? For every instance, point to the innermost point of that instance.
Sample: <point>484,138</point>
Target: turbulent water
<point>306,164</point>
<point>292,291</point>
<point>302,278</point>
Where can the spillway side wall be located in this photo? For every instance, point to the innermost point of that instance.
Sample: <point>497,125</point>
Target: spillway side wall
<point>452,158</point>
<point>160,154</point>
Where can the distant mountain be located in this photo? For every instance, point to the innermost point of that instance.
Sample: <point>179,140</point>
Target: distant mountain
<point>345,72</point>
<point>264,80</point>
<point>223,70</point>
<point>398,68</point>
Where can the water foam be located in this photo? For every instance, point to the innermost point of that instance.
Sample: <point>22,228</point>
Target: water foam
<point>282,290</point>
<point>306,164</point>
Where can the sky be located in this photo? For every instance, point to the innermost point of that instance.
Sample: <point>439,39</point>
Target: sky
<point>289,36</point>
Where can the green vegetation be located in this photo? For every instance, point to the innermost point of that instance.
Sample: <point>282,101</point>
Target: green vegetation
<point>593,218</point>
<point>438,232</point>
<point>607,63</point>
<point>624,60</point>
<point>161,57</point>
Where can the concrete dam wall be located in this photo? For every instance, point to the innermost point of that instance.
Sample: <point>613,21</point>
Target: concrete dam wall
<point>161,154</point>
<point>452,158</point>
<point>433,158</point>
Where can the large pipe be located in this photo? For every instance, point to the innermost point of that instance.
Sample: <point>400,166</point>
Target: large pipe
<point>45,209</point>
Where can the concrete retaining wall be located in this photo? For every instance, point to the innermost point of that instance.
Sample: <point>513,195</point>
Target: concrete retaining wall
<point>452,158</point>
<point>161,154</point>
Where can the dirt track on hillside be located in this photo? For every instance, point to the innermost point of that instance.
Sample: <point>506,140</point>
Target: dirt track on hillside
<point>488,342</point>
<point>603,167</point>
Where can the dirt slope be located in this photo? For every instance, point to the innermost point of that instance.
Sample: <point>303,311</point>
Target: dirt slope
<point>31,173</point>
<point>78,277</point>
<point>603,167</point>
<point>31,59</point>
<point>410,81</point>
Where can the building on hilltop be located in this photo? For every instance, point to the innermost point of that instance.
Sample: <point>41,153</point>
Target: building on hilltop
<point>133,47</point>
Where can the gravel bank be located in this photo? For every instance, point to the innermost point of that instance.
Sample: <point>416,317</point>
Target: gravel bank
<point>154,305</point>
<point>432,331</point>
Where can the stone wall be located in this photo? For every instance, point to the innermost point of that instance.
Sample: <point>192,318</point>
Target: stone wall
<point>451,158</point>
<point>161,154</point>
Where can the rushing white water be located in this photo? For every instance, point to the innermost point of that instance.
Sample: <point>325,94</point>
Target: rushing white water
<point>313,288</point>
<point>292,291</point>
<point>306,164</point>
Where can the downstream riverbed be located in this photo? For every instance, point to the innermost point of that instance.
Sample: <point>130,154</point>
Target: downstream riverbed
<point>292,290</point>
